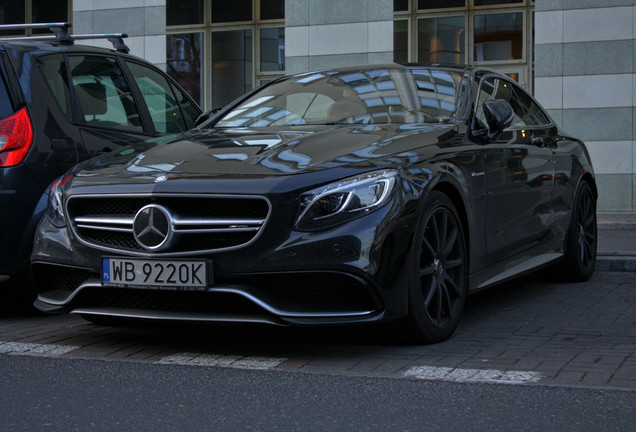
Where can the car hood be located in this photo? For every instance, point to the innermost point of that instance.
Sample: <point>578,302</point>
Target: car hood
<point>267,152</point>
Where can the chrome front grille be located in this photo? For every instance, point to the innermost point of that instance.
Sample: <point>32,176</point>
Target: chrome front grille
<point>199,223</point>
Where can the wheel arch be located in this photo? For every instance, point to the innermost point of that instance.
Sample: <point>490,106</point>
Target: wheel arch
<point>589,178</point>
<point>434,322</point>
<point>453,193</point>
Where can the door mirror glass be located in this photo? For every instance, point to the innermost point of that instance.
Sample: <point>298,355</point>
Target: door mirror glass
<point>499,116</point>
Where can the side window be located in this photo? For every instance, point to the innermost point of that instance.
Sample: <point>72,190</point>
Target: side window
<point>53,69</point>
<point>190,111</point>
<point>487,90</point>
<point>526,112</point>
<point>534,116</point>
<point>162,104</point>
<point>102,94</point>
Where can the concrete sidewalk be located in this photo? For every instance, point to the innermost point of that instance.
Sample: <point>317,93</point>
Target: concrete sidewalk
<point>616,242</point>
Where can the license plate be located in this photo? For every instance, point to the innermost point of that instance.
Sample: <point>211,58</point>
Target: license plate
<point>186,275</point>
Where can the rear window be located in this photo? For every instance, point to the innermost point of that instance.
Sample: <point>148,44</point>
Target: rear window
<point>53,69</point>
<point>6,108</point>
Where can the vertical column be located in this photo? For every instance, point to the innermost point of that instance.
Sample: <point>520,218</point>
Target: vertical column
<point>143,20</point>
<point>585,76</point>
<point>331,33</point>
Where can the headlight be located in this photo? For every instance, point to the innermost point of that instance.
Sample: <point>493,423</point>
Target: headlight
<point>55,206</point>
<point>345,200</point>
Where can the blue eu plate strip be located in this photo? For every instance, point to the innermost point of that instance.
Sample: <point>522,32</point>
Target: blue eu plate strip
<point>106,270</point>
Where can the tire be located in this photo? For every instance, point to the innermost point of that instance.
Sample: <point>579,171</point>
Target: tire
<point>438,272</point>
<point>580,257</point>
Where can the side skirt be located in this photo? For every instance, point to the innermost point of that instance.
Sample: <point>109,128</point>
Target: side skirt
<point>510,269</point>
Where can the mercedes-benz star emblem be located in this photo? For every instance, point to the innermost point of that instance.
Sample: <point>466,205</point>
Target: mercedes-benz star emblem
<point>152,227</point>
<point>161,178</point>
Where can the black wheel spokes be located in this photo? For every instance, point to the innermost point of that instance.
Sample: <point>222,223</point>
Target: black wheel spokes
<point>588,218</point>
<point>587,229</point>
<point>441,266</point>
<point>450,242</point>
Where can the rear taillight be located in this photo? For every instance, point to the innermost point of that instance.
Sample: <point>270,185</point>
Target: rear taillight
<point>16,136</point>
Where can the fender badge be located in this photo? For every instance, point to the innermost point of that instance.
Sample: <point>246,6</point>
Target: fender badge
<point>161,178</point>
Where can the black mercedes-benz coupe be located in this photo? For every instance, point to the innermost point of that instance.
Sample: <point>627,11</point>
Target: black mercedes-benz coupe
<point>359,195</point>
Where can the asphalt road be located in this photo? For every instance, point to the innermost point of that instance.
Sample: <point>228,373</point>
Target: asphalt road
<point>65,395</point>
<point>528,355</point>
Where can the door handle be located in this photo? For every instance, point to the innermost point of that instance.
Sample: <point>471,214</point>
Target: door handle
<point>538,141</point>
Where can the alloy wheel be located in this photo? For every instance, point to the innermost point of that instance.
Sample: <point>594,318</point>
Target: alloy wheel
<point>442,267</point>
<point>586,229</point>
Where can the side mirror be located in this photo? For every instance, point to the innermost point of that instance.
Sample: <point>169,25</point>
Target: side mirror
<point>499,116</point>
<point>206,116</point>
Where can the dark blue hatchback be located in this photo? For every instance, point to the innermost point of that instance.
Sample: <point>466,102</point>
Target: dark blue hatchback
<point>61,103</point>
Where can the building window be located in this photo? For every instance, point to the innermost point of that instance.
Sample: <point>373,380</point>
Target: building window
<point>231,11</point>
<point>183,58</point>
<point>401,41</point>
<point>496,33</point>
<point>400,5</point>
<point>273,49</point>
<point>497,2</point>
<point>32,11</point>
<point>240,43</point>
<point>440,4</point>
<point>231,65</point>
<point>272,9</point>
<point>498,36</point>
<point>442,40</point>
<point>184,12</point>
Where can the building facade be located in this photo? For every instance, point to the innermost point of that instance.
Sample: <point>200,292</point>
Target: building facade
<point>576,56</point>
<point>585,76</point>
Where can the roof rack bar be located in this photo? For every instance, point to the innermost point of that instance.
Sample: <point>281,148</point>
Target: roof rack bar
<point>29,38</point>
<point>35,26</point>
<point>58,28</point>
<point>117,39</point>
<point>99,36</point>
<point>61,35</point>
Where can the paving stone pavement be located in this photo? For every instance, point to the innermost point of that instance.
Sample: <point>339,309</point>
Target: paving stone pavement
<point>528,331</point>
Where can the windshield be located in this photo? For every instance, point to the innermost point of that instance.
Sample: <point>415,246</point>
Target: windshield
<point>377,96</point>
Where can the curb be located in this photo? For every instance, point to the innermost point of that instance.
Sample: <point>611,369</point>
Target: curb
<point>615,264</point>
<point>617,242</point>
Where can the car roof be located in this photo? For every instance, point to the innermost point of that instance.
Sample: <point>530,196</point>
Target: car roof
<point>459,68</point>
<point>394,66</point>
<point>38,48</point>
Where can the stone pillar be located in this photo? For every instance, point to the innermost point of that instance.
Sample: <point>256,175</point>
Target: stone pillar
<point>330,33</point>
<point>585,68</point>
<point>143,20</point>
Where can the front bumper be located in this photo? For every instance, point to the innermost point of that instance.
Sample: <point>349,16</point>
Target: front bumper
<point>275,299</point>
<point>355,273</point>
